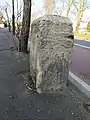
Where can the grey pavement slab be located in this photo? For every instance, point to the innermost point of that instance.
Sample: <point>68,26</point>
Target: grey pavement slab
<point>19,103</point>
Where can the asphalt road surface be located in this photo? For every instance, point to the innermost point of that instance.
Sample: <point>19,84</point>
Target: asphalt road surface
<point>82,42</point>
<point>80,64</point>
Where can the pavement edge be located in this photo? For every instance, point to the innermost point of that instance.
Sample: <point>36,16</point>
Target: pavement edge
<point>80,84</point>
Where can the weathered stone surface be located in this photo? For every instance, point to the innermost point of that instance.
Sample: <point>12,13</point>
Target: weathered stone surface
<point>50,51</point>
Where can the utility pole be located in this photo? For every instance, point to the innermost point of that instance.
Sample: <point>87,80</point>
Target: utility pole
<point>13,18</point>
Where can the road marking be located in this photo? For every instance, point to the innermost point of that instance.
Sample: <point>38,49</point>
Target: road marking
<point>80,84</point>
<point>82,40</point>
<point>82,46</point>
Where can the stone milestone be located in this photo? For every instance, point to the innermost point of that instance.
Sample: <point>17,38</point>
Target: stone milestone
<point>51,47</point>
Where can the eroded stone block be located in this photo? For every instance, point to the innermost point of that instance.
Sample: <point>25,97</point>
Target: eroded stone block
<point>50,52</point>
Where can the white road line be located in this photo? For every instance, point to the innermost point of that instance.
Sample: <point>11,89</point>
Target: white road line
<point>82,39</point>
<point>80,84</point>
<point>82,46</point>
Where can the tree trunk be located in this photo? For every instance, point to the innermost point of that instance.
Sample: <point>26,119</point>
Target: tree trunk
<point>79,14</point>
<point>9,26</point>
<point>25,26</point>
<point>17,34</point>
<point>70,3</point>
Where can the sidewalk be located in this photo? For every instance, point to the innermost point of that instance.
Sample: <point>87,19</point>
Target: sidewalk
<point>19,103</point>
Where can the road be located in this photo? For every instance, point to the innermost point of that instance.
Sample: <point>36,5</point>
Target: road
<point>19,103</point>
<point>80,64</point>
<point>82,42</point>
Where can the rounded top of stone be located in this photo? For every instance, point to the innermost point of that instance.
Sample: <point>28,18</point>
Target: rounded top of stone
<point>54,19</point>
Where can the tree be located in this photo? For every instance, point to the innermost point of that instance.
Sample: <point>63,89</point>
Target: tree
<point>64,7</point>
<point>80,9</point>
<point>7,10</point>
<point>25,26</point>
<point>69,6</point>
<point>74,8</point>
<point>18,18</point>
<point>88,26</point>
<point>58,6</point>
<point>9,26</point>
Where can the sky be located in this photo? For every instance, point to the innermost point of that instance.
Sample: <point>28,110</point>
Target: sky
<point>9,6</point>
<point>39,7</point>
